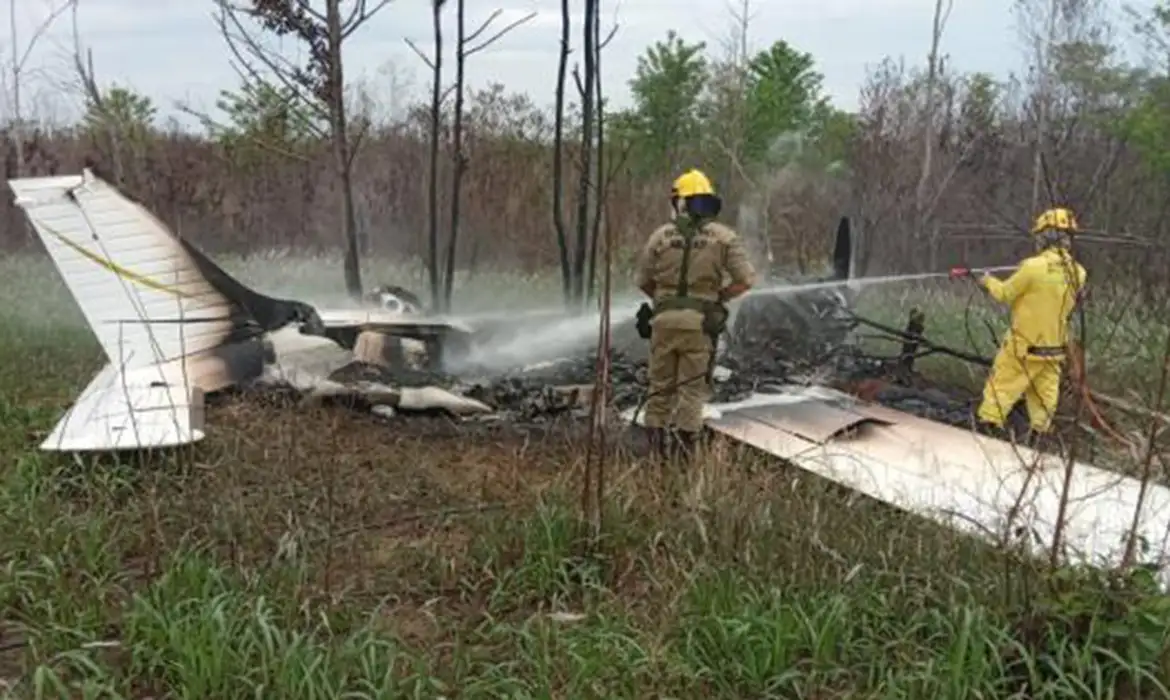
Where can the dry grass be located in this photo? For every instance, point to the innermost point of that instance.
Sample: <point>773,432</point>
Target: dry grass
<point>311,553</point>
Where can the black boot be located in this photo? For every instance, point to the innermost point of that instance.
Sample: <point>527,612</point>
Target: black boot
<point>687,443</point>
<point>992,430</point>
<point>1042,440</point>
<point>656,437</point>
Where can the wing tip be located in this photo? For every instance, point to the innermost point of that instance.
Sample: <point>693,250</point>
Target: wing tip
<point>119,445</point>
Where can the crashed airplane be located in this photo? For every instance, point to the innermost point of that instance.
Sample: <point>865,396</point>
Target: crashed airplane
<point>176,327</point>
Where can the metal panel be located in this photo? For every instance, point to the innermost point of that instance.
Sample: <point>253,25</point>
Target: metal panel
<point>972,483</point>
<point>390,322</point>
<point>813,420</point>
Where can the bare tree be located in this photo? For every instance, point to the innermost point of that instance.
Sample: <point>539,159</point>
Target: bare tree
<point>19,61</point>
<point>736,47</point>
<point>466,46</point>
<point>729,98</point>
<point>320,84</point>
<point>604,175</point>
<point>942,11</point>
<point>87,80</point>
<point>436,66</point>
<point>1038,20</point>
<point>558,157</point>
<point>585,179</point>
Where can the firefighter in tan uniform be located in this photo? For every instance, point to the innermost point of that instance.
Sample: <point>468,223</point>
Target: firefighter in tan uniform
<point>683,268</point>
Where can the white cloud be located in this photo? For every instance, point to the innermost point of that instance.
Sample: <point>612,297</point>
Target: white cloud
<point>171,50</point>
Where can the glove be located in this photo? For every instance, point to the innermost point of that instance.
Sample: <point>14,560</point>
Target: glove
<point>643,317</point>
<point>960,273</point>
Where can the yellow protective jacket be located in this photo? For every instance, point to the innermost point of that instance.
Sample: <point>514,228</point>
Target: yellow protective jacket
<point>1042,294</point>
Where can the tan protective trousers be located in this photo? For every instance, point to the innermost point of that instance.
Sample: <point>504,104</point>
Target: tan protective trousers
<point>679,386</point>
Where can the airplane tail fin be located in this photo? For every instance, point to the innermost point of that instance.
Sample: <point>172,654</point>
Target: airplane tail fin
<point>171,323</point>
<point>843,250</point>
<point>141,294</point>
<point>149,296</point>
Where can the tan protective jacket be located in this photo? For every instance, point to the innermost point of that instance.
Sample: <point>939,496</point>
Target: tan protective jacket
<point>717,258</point>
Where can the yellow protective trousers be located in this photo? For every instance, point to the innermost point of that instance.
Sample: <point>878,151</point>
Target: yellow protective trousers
<point>1014,375</point>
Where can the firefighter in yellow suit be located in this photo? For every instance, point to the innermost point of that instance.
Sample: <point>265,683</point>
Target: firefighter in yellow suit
<point>683,269</point>
<point>1042,293</point>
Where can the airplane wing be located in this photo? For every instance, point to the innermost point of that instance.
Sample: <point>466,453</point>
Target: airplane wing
<point>403,324</point>
<point>130,410</point>
<point>955,477</point>
<point>346,325</point>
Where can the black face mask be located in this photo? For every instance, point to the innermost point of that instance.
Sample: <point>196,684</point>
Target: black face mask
<point>704,206</point>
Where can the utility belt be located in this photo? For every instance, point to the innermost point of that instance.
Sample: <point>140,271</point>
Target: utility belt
<point>714,314</point>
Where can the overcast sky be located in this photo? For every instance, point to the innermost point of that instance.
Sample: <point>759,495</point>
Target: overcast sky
<point>172,51</point>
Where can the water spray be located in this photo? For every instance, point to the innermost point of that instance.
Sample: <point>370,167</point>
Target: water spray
<point>858,282</point>
<point>549,333</point>
<point>546,334</point>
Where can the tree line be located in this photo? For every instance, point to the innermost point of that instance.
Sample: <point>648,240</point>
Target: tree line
<point>936,167</point>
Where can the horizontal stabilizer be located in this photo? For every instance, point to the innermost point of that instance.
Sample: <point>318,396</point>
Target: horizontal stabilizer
<point>133,410</point>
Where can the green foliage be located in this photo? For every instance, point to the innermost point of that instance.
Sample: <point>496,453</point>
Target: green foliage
<point>263,116</point>
<point>833,132</point>
<point>121,114</point>
<point>1097,84</point>
<point>979,109</point>
<point>1119,623</point>
<point>730,118</point>
<point>783,97</point>
<point>1148,125</point>
<point>665,119</point>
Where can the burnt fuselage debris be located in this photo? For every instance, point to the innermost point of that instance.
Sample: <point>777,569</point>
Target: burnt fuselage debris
<point>773,341</point>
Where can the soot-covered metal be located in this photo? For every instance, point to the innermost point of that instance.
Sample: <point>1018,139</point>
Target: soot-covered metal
<point>802,338</point>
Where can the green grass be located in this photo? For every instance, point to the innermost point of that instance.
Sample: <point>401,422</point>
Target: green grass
<point>287,560</point>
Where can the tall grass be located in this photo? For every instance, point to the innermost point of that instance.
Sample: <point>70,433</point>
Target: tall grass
<point>227,572</point>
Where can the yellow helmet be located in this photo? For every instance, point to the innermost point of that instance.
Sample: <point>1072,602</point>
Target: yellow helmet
<point>690,184</point>
<point>1055,219</point>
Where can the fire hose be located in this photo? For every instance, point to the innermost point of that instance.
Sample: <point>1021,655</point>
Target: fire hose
<point>1077,377</point>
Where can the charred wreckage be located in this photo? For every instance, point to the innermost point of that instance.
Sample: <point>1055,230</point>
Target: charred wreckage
<point>175,327</point>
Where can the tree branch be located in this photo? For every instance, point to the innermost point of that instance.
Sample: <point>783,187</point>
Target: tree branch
<point>270,60</point>
<point>361,13</point>
<point>38,32</point>
<point>483,27</point>
<point>495,37</point>
<point>418,52</point>
<point>608,37</point>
